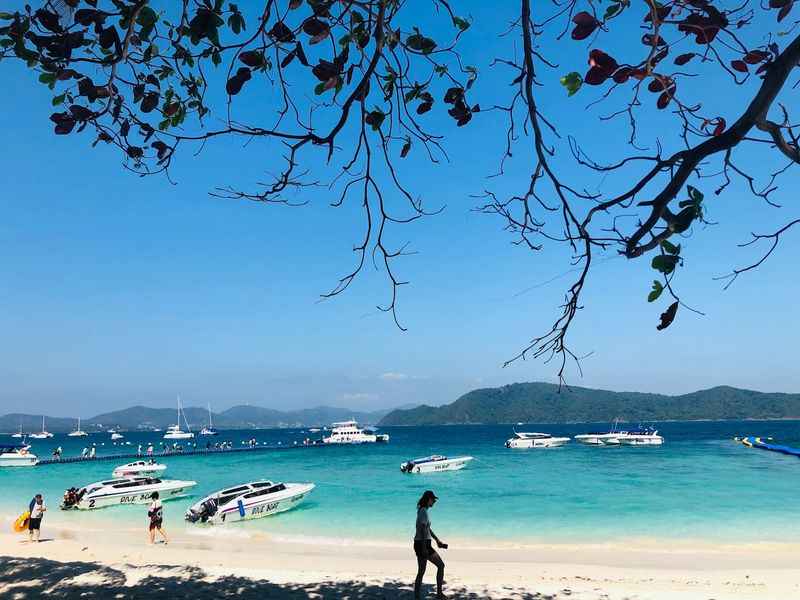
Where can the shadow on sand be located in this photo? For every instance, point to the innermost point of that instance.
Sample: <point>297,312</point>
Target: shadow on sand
<point>36,578</point>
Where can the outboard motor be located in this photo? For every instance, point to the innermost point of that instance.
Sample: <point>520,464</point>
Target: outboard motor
<point>407,467</point>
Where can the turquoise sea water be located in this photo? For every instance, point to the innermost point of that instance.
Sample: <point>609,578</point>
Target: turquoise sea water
<point>698,485</point>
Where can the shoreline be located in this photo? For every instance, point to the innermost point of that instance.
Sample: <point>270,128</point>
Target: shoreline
<point>633,568</point>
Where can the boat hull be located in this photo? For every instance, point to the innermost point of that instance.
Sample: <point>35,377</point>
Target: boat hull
<point>143,471</point>
<point>242,510</point>
<point>18,460</point>
<point>454,464</point>
<point>144,496</point>
<point>527,444</point>
<point>178,436</point>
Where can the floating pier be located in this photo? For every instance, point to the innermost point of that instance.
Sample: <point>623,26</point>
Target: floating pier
<point>173,454</point>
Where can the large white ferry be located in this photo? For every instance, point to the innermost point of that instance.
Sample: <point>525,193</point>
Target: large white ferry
<point>125,490</point>
<point>248,501</point>
<point>535,440</point>
<point>348,432</point>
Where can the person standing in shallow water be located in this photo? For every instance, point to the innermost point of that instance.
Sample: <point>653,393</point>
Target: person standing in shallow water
<point>156,514</point>
<point>423,547</point>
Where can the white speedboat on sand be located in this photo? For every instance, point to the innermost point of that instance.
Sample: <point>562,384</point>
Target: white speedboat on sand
<point>139,467</point>
<point>17,456</point>
<point>435,463</point>
<point>248,501</point>
<point>125,490</point>
<point>523,439</point>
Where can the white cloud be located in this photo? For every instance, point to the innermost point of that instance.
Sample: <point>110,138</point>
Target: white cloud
<point>392,376</point>
<point>359,396</point>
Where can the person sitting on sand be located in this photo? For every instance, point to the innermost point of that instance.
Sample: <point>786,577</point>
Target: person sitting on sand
<point>423,547</point>
<point>156,514</point>
<point>37,510</point>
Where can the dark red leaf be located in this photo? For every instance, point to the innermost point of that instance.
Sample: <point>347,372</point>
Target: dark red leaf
<point>663,100</point>
<point>720,127</point>
<point>252,58</point>
<point>755,56</point>
<point>585,24</point>
<point>668,316</point>
<point>595,76</point>
<point>584,18</point>
<point>684,58</point>
<point>739,65</point>
<point>785,11</point>
<point>622,75</point>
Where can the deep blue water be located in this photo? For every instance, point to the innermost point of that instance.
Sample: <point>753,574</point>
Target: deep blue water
<point>699,484</point>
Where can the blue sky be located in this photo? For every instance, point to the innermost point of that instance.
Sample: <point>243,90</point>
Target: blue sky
<point>119,290</point>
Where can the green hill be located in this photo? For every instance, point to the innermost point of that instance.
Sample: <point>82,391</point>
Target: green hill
<point>543,403</point>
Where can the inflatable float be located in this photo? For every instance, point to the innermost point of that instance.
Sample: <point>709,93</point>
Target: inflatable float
<point>21,524</point>
<point>760,444</point>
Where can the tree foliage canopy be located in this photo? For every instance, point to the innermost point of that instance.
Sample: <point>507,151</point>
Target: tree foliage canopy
<point>354,81</point>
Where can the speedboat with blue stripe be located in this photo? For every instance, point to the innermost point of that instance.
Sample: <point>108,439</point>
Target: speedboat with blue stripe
<point>432,464</point>
<point>248,501</point>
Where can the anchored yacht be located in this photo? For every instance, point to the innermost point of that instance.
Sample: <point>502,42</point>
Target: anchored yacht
<point>17,456</point>
<point>124,490</point>
<point>20,433</point>
<point>210,429</point>
<point>248,501</point>
<point>348,432</point>
<point>602,438</point>
<point>43,434</point>
<point>175,432</point>
<point>139,467</point>
<point>535,440</point>
<point>435,463</point>
<point>78,432</point>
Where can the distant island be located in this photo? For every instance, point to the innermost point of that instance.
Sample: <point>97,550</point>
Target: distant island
<point>236,417</point>
<point>543,403</point>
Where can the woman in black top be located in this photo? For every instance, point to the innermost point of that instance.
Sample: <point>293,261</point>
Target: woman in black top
<point>423,547</point>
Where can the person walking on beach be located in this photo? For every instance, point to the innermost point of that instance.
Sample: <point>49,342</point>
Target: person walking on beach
<point>37,510</point>
<point>156,513</point>
<point>423,547</point>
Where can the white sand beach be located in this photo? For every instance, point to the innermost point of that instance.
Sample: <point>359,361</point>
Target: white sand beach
<point>107,563</point>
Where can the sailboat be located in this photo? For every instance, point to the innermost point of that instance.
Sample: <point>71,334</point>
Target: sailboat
<point>175,432</point>
<point>19,434</point>
<point>78,432</point>
<point>43,434</point>
<point>210,429</point>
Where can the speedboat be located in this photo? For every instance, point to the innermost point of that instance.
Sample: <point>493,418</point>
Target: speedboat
<point>248,501</point>
<point>17,456</point>
<point>139,467</point>
<point>348,432</point>
<point>645,436</point>
<point>78,432</point>
<point>124,490</point>
<point>174,432</point>
<point>432,464</point>
<point>535,440</point>
<point>43,434</point>
<point>602,438</point>
<point>116,435</point>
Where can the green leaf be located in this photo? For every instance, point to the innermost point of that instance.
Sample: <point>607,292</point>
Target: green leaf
<point>612,11</point>
<point>47,78</point>
<point>572,82</point>
<point>164,124</point>
<point>59,99</point>
<point>657,289</point>
<point>6,16</point>
<point>461,23</point>
<point>216,58</point>
<point>319,89</point>
<point>420,43</point>
<point>440,70</point>
<point>671,248</point>
<point>147,17</point>
<point>665,263</point>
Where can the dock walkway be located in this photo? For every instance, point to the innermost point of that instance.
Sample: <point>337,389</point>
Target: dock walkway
<point>172,454</point>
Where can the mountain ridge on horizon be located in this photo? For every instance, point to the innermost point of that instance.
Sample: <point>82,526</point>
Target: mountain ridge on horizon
<point>242,416</point>
<point>541,402</point>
